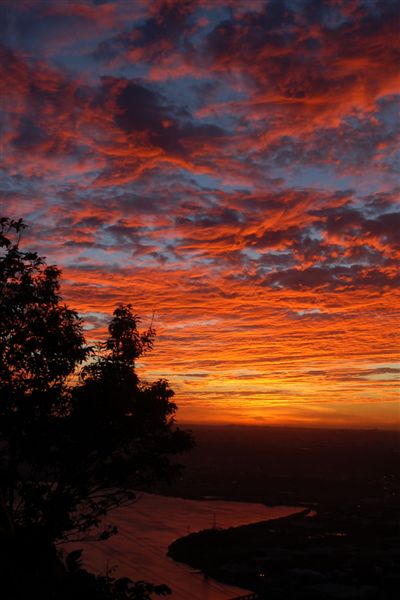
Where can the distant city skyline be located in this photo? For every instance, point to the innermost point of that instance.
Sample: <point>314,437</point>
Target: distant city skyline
<point>229,168</point>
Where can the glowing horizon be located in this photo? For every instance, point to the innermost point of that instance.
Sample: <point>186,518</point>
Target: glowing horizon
<point>229,169</point>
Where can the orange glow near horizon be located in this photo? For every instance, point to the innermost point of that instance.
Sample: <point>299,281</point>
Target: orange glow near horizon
<point>265,359</point>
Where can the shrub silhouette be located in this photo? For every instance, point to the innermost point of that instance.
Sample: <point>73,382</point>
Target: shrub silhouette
<point>78,429</point>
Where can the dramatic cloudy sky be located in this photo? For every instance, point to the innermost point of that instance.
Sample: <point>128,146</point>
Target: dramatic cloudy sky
<point>230,165</point>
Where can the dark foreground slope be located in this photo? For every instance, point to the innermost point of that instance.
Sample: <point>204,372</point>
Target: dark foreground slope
<point>346,547</point>
<point>345,553</point>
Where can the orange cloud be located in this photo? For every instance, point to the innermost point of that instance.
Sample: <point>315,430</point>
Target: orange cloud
<point>231,169</point>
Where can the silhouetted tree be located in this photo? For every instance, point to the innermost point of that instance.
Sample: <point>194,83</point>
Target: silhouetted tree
<point>71,450</point>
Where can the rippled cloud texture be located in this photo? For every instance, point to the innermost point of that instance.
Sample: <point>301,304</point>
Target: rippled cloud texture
<point>231,167</point>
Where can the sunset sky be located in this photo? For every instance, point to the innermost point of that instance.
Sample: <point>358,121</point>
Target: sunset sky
<point>229,168</point>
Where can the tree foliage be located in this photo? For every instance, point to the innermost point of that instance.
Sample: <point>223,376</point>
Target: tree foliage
<point>79,431</point>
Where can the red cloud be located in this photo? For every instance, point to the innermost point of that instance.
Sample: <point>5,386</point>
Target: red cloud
<point>163,155</point>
